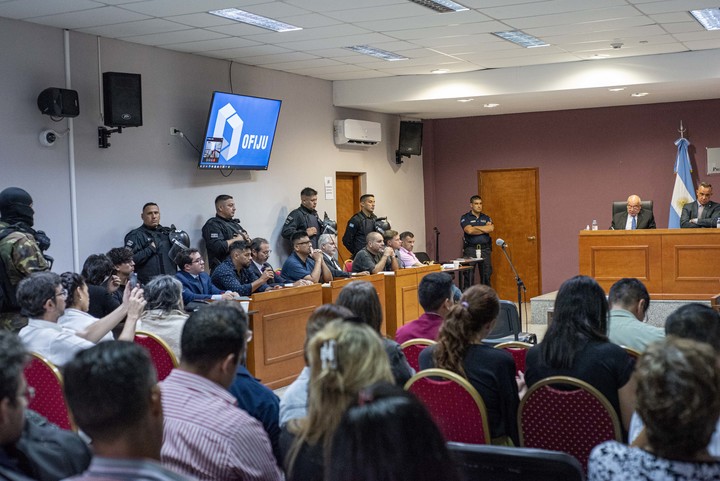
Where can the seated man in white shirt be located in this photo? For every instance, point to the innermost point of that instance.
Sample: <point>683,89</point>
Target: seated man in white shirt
<point>405,253</point>
<point>42,299</point>
<point>629,301</point>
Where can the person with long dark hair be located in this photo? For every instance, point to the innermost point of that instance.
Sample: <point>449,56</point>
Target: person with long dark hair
<point>388,435</point>
<point>576,345</point>
<point>490,371</point>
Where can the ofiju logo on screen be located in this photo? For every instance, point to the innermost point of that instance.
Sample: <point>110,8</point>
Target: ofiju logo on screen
<point>227,115</point>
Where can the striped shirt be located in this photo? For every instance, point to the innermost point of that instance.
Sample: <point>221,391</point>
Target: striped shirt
<point>207,436</point>
<point>113,469</point>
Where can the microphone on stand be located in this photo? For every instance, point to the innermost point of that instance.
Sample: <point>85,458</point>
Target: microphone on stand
<point>501,243</point>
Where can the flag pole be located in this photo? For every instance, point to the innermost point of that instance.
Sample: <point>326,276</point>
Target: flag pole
<point>682,130</point>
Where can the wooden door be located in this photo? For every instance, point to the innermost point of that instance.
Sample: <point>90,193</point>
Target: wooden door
<point>511,198</point>
<point>347,203</point>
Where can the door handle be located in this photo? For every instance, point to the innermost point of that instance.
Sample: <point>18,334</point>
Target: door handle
<point>531,237</point>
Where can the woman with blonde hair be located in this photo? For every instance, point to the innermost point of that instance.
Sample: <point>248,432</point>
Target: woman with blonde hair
<point>344,357</point>
<point>490,371</point>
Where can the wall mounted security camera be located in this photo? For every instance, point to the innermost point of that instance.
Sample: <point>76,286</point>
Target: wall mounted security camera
<point>48,138</point>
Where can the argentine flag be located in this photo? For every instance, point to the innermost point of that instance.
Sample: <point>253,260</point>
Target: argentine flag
<point>683,192</point>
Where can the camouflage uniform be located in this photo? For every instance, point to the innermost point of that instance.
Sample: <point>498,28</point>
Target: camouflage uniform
<point>21,256</point>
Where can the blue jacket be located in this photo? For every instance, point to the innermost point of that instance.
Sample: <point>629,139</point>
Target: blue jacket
<point>199,289</point>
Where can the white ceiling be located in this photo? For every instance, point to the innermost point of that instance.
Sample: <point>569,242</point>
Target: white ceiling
<point>664,52</point>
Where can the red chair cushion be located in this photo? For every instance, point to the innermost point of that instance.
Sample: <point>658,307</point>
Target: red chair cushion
<point>49,400</point>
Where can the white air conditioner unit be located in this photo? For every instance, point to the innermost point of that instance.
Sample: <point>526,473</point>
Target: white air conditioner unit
<point>357,132</point>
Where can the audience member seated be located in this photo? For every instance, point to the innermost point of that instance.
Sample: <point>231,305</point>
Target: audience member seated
<point>344,358</point>
<point>112,392</point>
<point>196,283</point>
<point>678,399</point>
<point>294,401</point>
<point>328,246</point>
<point>122,259</point>
<point>260,253</point>
<point>375,257</point>
<point>391,238</point>
<point>388,434</point>
<point>305,262</point>
<point>259,402</point>
<point>30,447</point>
<point>629,301</point>
<point>700,323</point>
<point>576,345</point>
<point>99,273</point>
<point>233,274</point>
<point>75,316</point>
<point>164,314</point>
<point>435,294</point>
<point>206,435</point>
<point>490,371</point>
<point>405,254</point>
<point>42,299</point>
<point>363,301</point>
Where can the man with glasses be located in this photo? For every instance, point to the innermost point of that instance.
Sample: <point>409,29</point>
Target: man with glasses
<point>328,246</point>
<point>42,299</point>
<point>197,285</point>
<point>635,217</point>
<point>305,262</point>
<point>703,212</point>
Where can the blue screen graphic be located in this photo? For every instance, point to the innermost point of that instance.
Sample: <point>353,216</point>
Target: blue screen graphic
<point>240,132</point>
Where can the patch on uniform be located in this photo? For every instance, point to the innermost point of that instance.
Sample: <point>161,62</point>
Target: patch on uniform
<point>288,220</point>
<point>214,236</point>
<point>129,243</point>
<point>351,224</point>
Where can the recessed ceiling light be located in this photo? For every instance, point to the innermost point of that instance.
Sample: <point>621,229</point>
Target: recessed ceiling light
<point>465,100</point>
<point>440,70</point>
<point>639,94</point>
<point>376,52</point>
<point>442,6</point>
<point>252,19</point>
<point>521,38</point>
<point>616,89</point>
<point>599,56</point>
<point>708,18</point>
<point>491,106</point>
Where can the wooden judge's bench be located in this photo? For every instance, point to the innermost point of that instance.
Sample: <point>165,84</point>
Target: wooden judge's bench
<point>672,263</point>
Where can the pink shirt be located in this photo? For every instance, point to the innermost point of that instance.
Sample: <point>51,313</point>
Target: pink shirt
<point>207,436</point>
<point>424,327</point>
<point>407,258</point>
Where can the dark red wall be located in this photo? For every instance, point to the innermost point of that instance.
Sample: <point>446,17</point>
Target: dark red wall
<point>586,158</point>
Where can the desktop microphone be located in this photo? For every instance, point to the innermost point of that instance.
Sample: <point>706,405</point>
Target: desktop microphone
<point>501,243</point>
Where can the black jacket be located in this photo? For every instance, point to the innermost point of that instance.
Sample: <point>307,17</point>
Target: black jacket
<point>299,220</point>
<point>150,261</point>
<point>358,227</point>
<point>216,232</point>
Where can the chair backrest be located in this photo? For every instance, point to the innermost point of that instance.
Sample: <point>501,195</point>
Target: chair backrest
<point>162,356</point>
<point>518,350</point>
<point>422,257</point>
<point>633,353</point>
<point>348,266</point>
<point>454,404</point>
<point>621,206</point>
<point>45,378</point>
<point>502,463</point>
<point>508,321</point>
<point>412,349</point>
<point>572,421</point>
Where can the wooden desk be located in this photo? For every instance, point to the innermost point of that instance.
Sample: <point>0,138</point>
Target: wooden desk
<point>275,354</point>
<point>401,296</point>
<point>331,290</point>
<point>672,263</point>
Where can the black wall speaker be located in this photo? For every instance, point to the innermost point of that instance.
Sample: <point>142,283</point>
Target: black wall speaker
<point>122,99</point>
<point>410,138</point>
<point>59,102</point>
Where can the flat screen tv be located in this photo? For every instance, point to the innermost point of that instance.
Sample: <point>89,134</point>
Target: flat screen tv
<point>240,132</point>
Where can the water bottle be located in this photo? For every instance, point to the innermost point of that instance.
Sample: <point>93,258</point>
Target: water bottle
<point>594,225</point>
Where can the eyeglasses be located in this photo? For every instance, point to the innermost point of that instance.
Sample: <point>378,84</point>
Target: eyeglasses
<point>633,207</point>
<point>62,293</point>
<point>266,253</point>
<point>302,243</point>
<point>199,260</point>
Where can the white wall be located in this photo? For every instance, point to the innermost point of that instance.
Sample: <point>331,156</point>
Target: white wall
<point>147,164</point>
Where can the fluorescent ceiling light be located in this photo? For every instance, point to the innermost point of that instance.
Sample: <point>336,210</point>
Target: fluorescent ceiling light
<point>442,6</point>
<point>439,71</point>
<point>639,94</point>
<point>376,52</point>
<point>252,19</point>
<point>616,89</point>
<point>465,100</point>
<point>491,106</point>
<point>708,18</point>
<point>521,38</point>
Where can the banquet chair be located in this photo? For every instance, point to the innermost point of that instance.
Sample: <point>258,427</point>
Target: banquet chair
<point>412,349</point>
<point>572,421</point>
<point>456,407</point>
<point>46,381</point>
<point>503,463</point>
<point>518,350</point>
<point>161,355</point>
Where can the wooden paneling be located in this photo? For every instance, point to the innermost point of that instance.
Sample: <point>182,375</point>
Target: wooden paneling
<point>401,289</point>
<point>331,290</point>
<point>672,263</point>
